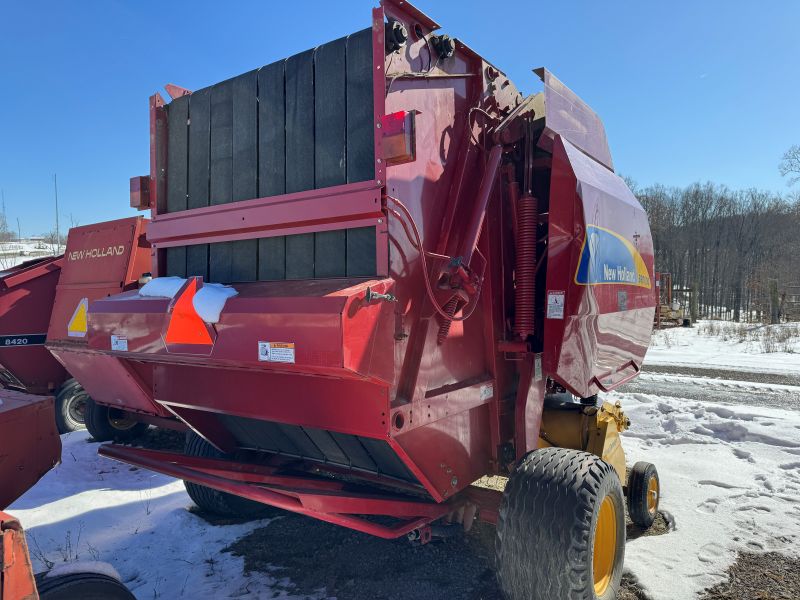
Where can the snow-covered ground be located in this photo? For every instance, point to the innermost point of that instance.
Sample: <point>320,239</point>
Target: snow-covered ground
<point>730,478</point>
<point>750,347</point>
<point>14,253</point>
<point>91,508</point>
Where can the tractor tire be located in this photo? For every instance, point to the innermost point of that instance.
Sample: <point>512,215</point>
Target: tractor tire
<point>214,501</point>
<point>104,424</point>
<point>70,407</point>
<point>644,492</point>
<point>561,528</point>
<point>86,586</point>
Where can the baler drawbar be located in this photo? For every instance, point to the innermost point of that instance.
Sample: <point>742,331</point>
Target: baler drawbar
<point>382,273</point>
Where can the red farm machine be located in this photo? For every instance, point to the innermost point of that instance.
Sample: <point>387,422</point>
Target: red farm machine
<point>100,260</point>
<point>27,293</point>
<point>43,306</point>
<point>382,273</point>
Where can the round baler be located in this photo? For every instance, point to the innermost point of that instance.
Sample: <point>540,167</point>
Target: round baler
<point>426,278</point>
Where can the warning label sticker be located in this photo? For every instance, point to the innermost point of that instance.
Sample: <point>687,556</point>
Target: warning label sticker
<point>76,327</point>
<point>119,343</point>
<point>555,304</point>
<point>281,352</point>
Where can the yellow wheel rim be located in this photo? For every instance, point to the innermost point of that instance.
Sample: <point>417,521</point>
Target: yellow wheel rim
<point>605,546</point>
<point>652,495</point>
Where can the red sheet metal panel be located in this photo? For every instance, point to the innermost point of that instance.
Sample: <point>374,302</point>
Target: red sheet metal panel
<point>600,300</point>
<point>571,118</point>
<point>333,330</point>
<point>27,293</point>
<point>29,442</point>
<point>100,260</point>
<point>16,572</point>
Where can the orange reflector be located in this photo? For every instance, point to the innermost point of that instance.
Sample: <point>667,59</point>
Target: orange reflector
<point>185,326</point>
<point>398,137</point>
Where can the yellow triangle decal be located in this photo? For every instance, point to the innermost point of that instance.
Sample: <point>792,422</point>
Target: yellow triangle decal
<point>77,325</point>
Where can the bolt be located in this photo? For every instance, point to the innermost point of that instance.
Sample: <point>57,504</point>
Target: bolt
<point>454,481</point>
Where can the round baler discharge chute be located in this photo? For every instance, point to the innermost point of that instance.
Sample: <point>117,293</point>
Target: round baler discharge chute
<point>439,295</point>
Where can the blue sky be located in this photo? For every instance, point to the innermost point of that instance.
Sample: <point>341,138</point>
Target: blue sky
<point>688,90</point>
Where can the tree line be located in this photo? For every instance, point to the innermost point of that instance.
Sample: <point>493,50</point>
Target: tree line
<point>737,250</point>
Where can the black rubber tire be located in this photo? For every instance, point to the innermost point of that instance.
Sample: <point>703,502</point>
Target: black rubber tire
<point>638,484</point>
<point>98,420</point>
<point>546,526</point>
<point>686,323</point>
<point>68,397</point>
<point>86,586</point>
<point>214,501</point>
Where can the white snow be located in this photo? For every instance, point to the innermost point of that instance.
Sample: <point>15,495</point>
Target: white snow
<point>162,287</point>
<point>14,253</point>
<point>730,479</point>
<point>84,566</point>
<point>93,508</point>
<point>751,347</point>
<point>208,301</point>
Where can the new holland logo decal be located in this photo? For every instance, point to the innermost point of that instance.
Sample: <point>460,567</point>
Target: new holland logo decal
<point>609,258</point>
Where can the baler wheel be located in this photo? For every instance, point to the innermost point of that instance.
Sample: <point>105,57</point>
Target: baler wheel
<point>70,406</point>
<point>561,529</point>
<point>106,423</point>
<point>644,492</point>
<point>214,501</point>
<point>86,586</point>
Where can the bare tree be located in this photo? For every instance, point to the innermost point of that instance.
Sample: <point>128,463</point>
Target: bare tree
<point>726,245</point>
<point>54,240</point>
<point>790,164</point>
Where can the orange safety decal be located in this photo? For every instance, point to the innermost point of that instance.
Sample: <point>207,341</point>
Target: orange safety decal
<point>185,326</point>
<point>78,325</point>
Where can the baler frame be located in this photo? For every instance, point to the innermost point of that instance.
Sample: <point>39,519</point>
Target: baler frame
<point>324,499</point>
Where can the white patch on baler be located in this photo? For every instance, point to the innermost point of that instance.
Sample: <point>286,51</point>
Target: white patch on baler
<point>208,301</point>
<point>555,304</point>
<point>162,287</point>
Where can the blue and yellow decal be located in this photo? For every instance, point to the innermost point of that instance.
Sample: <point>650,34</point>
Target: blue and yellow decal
<point>609,258</point>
